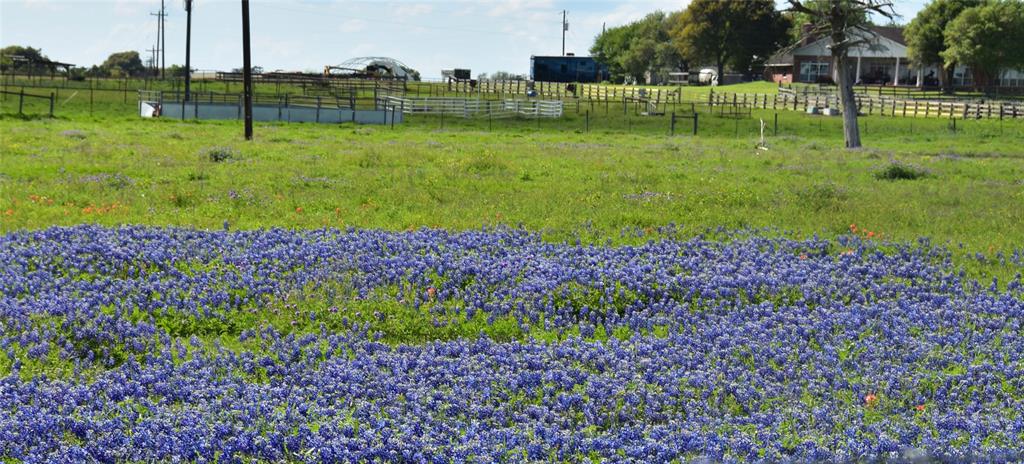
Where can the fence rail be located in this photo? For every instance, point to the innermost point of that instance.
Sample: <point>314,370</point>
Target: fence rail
<point>875,105</point>
<point>285,100</point>
<point>21,99</point>
<point>475,107</point>
<point>561,90</point>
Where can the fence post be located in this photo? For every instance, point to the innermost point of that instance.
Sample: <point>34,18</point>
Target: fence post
<point>51,104</point>
<point>587,126</point>
<point>21,100</point>
<point>672,124</point>
<point>695,122</point>
<point>776,131</point>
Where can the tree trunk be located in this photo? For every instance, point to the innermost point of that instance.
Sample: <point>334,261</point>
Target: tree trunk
<point>851,131</point>
<point>946,78</point>
<point>721,71</point>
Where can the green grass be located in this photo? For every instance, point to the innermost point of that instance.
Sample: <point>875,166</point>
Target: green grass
<point>617,182</point>
<point>551,176</point>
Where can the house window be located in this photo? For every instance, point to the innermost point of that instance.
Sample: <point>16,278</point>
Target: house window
<point>814,71</point>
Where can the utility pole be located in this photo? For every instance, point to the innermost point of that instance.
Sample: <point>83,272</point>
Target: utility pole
<point>565,27</point>
<point>152,59</point>
<point>159,35</point>
<point>246,70</point>
<point>188,47</point>
<point>163,41</point>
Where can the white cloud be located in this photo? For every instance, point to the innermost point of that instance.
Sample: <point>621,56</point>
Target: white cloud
<point>353,25</point>
<point>413,9</point>
<point>44,5</point>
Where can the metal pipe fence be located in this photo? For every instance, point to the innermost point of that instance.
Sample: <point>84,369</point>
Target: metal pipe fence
<point>475,107</point>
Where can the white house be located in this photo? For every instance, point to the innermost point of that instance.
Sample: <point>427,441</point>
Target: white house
<point>881,61</point>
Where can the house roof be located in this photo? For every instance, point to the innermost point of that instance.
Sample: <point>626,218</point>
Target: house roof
<point>888,43</point>
<point>893,33</point>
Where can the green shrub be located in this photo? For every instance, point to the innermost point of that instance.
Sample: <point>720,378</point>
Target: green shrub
<point>219,154</point>
<point>901,171</point>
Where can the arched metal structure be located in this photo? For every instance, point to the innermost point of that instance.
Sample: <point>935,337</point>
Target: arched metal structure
<point>375,67</point>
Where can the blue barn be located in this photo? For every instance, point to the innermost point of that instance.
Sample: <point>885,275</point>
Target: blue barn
<point>567,69</point>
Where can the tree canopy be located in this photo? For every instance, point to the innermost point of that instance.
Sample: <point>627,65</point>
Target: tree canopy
<point>986,38</point>
<point>8,53</point>
<point>123,64</point>
<point>636,48</point>
<point>730,33</point>
<point>926,34</point>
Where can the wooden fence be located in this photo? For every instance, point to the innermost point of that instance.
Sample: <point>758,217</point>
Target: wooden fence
<point>869,104</point>
<point>561,90</point>
<point>876,105</point>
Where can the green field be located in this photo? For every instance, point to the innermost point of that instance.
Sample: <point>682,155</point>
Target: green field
<point>358,328</point>
<point>594,174</point>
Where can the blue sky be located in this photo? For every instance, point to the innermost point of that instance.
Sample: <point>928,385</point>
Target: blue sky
<point>485,36</point>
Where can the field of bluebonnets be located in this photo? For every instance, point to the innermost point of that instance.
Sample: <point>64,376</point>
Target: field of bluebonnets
<point>146,344</point>
<point>449,295</point>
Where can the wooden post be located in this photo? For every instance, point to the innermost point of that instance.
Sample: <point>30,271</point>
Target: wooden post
<point>672,124</point>
<point>246,70</point>
<point>51,104</point>
<point>21,100</point>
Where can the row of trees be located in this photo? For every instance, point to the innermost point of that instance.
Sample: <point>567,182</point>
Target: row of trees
<point>725,33</point>
<point>984,35</point>
<point>120,64</point>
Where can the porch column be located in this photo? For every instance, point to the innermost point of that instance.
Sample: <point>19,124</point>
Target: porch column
<point>920,76</point>
<point>856,79</point>
<point>896,78</point>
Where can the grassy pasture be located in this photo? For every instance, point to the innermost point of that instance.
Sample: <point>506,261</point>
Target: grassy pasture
<point>607,176</point>
<point>552,176</point>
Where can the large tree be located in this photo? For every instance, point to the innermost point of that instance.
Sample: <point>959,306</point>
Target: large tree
<point>734,33</point>
<point>610,46</point>
<point>634,49</point>
<point>926,36</point>
<point>123,64</point>
<point>986,38</point>
<point>8,61</point>
<point>845,23</point>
